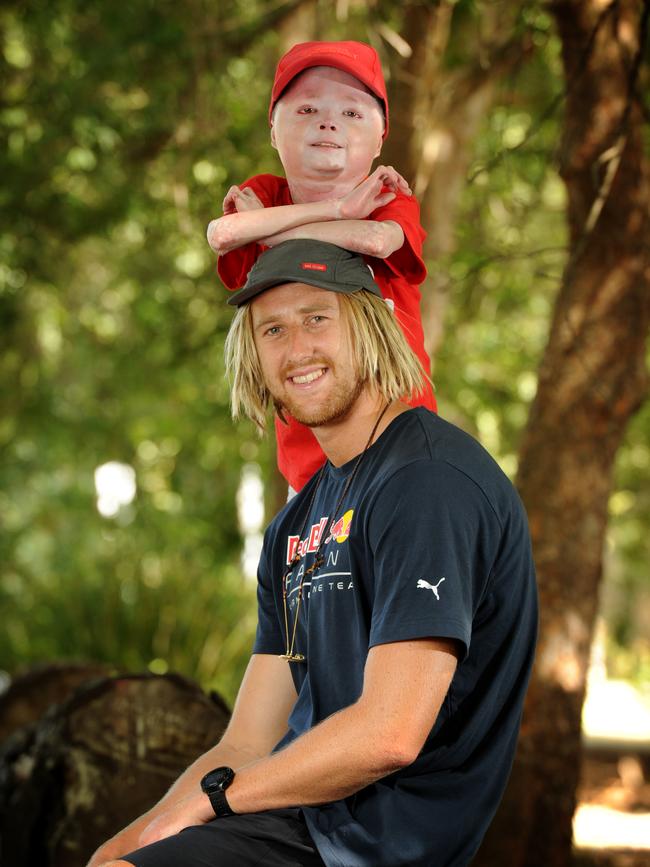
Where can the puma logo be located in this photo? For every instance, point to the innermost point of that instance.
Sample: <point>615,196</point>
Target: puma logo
<point>424,585</point>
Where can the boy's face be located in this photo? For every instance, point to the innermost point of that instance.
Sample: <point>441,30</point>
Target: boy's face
<point>327,125</point>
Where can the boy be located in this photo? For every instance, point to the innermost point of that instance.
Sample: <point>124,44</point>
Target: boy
<point>329,117</point>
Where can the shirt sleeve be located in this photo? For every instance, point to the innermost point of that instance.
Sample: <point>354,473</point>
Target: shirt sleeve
<point>269,637</point>
<point>427,532</point>
<point>233,267</point>
<point>406,262</point>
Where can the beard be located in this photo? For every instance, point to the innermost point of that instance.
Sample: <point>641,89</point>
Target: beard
<point>336,407</point>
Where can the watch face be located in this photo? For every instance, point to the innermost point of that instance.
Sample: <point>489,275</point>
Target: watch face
<point>217,780</point>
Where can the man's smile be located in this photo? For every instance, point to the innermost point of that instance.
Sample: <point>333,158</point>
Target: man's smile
<point>308,377</point>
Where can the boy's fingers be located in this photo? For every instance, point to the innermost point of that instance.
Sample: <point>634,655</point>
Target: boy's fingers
<point>230,195</point>
<point>390,177</point>
<point>404,185</point>
<point>388,171</point>
<point>370,181</point>
<point>397,184</point>
<point>383,199</point>
<point>247,200</point>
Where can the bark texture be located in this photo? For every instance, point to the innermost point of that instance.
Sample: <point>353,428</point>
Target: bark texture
<point>436,113</point>
<point>591,380</point>
<point>31,694</point>
<point>94,763</point>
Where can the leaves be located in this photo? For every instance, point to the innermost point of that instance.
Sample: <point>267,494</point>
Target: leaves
<point>123,128</point>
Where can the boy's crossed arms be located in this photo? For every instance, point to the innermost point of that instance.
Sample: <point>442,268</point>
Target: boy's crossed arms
<point>338,221</point>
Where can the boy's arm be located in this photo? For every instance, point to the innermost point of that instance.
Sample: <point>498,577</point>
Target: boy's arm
<point>258,722</point>
<point>393,233</point>
<point>378,238</point>
<point>234,230</point>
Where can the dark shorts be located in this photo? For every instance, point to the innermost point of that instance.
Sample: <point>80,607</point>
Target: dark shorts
<point>276,838</point>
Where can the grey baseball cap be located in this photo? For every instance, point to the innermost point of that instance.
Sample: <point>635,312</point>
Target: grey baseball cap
<point>315,263</point>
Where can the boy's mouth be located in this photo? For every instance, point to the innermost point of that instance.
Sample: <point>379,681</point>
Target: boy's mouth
<point>325,144</point>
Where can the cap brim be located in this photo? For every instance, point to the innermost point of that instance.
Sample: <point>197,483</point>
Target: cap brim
<point>248,292</point>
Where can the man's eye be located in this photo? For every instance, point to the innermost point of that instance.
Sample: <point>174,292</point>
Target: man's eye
<point>273,330</point>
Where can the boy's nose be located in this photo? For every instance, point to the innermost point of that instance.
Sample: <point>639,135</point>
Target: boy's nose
<point>329,125</point>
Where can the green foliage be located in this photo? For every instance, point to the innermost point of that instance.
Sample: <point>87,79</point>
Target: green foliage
<point>501,283</point>
<point>112,318</point>
<point>123,128</point>
<point>626,596</point>
<point>502,278</point>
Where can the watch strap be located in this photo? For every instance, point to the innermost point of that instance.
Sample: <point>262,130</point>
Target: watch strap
<point>220,803</point>
<point>214,784</point>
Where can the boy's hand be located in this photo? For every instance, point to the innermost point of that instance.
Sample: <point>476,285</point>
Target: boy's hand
<point>392,179</point>
<point>238,200</point>
<point>368,196</point>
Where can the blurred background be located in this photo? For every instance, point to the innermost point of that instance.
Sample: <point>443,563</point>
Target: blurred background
<point>131,507</point>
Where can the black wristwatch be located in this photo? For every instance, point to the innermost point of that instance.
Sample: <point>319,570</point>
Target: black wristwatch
<point>214,785</point>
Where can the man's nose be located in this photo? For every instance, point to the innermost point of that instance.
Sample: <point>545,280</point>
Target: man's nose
<point>300,345</point>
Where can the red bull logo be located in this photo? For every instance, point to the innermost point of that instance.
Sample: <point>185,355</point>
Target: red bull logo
<point>341,528</point>
<point>296,545</point>
<point>339,532</point>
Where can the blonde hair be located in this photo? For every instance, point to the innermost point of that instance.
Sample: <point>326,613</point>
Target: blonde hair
<point>382,357</point>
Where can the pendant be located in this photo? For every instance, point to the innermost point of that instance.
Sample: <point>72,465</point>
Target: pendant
<point>293,657</point>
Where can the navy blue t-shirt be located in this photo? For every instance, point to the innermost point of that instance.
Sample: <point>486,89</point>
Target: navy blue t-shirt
<point>431,541</point>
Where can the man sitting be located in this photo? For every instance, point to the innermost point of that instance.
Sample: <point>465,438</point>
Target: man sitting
<point>377,720</point>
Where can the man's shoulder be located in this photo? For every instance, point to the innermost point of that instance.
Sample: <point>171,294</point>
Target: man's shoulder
<point>425,450</point>
<point>420,433</point>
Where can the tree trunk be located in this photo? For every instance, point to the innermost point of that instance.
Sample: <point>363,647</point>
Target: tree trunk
<point>96,762</point>
<point>31,694</point>
<point>591,380</point>
<point>435,116</point>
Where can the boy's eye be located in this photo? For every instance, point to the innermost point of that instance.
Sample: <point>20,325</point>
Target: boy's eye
<point>306,109</point>
<point>350,112</point>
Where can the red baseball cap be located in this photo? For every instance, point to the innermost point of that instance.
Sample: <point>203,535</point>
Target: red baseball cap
<point>355,58</point>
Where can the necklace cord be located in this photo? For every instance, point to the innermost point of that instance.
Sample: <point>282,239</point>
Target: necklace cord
<point>318,559</point>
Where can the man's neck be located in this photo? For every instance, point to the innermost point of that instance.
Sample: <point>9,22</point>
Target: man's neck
<point>320,188</point>
<point>346,438</point>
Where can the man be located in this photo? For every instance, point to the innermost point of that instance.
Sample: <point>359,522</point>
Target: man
<point>378,716</point>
